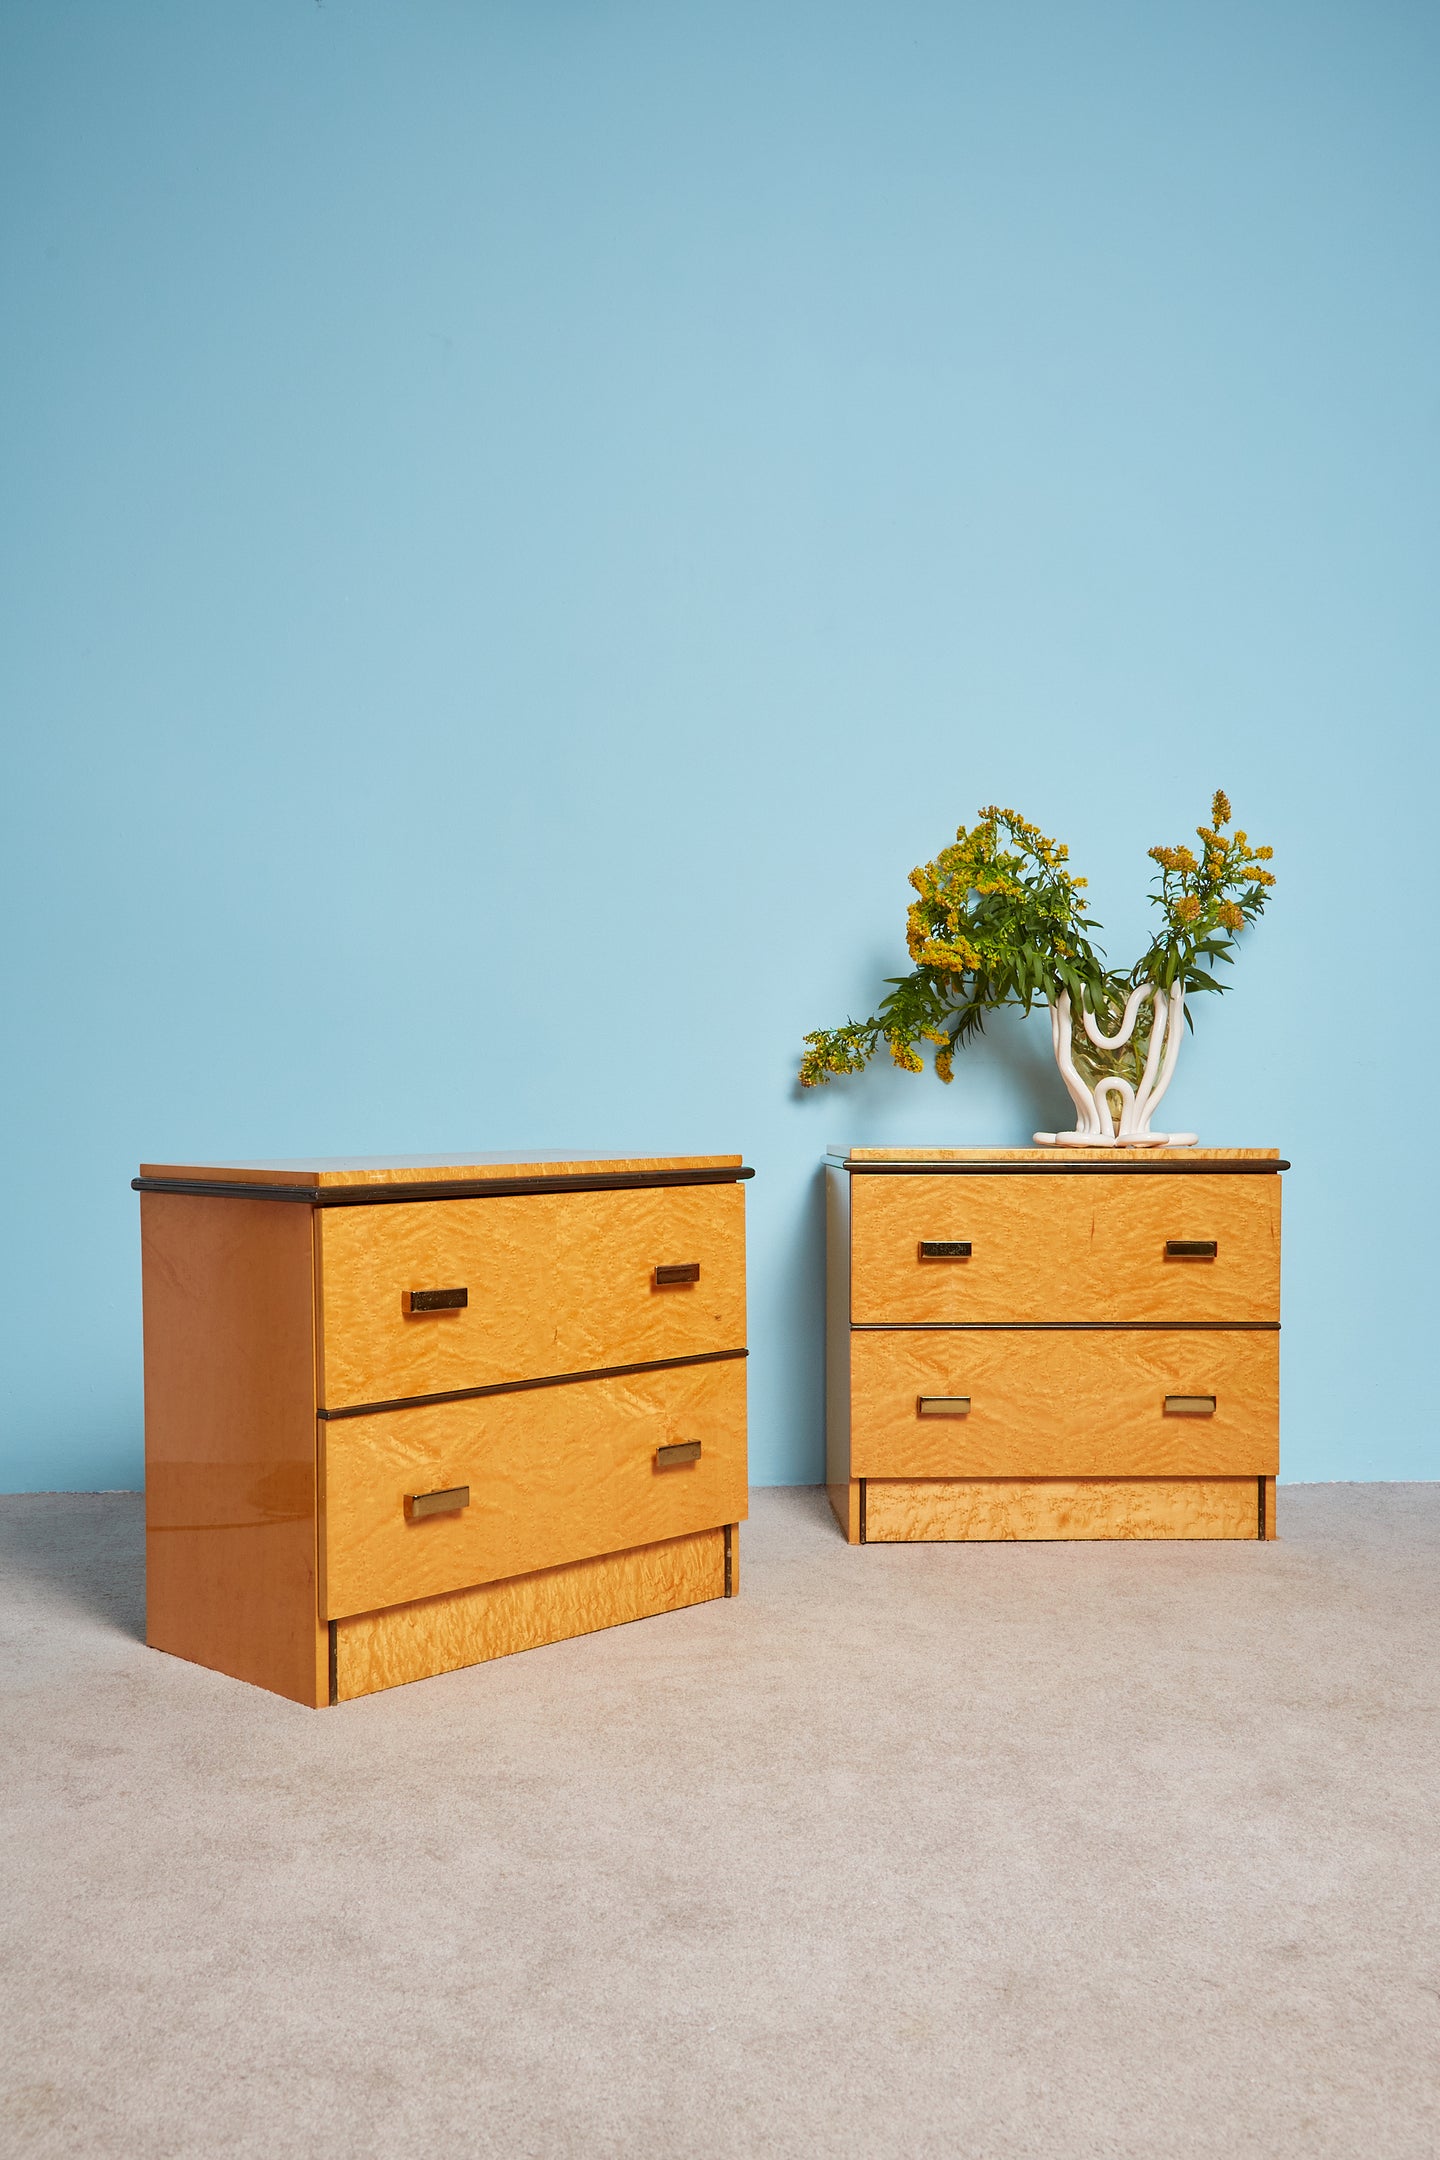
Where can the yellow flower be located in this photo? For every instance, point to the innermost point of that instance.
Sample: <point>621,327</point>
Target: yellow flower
<point>956,957</point>
<point>1220,808</point>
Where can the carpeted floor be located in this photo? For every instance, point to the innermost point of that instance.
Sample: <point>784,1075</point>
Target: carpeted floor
<point>1005,1852</point>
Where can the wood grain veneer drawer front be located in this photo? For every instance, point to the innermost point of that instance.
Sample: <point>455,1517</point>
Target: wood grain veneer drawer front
<point>1056,1404</point>
<point>1065,1248</point>
<point>552,1282</point>
<point>553,1475</point>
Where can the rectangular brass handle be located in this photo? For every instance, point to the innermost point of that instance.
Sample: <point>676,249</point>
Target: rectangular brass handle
<point>420,1504</point>
<point>944,1248</point>
<point>677,1452</point>
<point>1189,1406</point>
<point>678,1271</point>
<point>1191,1248</point>
<point>942,1406</point>
<point>418,1301</point>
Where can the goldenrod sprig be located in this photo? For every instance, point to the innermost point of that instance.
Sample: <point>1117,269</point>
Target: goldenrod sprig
<point>1206,900</point>
<point>998,919</point>
<point>991,924</point>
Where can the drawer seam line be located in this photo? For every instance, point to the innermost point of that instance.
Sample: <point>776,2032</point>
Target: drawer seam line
<point>544,1380</point>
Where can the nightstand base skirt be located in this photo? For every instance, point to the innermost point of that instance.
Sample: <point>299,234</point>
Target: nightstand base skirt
<point>879,1511</point>
<point>440,1634</point>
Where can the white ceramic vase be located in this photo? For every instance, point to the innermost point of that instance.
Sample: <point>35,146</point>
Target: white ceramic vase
<point>1097,1125</point>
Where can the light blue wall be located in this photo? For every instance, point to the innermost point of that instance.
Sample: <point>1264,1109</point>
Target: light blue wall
<point>522,522</point>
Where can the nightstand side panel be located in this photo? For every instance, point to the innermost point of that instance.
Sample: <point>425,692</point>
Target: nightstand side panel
<point>837,1350</point>
<point>230,1480</point>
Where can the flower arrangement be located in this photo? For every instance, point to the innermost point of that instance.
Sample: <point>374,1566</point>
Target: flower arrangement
<point>999,919</point>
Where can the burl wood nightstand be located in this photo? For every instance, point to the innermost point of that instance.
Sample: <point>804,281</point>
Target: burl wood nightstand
<point>1028,1344</point>
<point>404,1416</point>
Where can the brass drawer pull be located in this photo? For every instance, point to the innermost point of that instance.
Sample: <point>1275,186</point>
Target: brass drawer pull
<point>1191,1248</point>
<point>418,1301</point>
<point>942,1406</point>
<point>678,1451</point>
<point>679,1271</point>
<point>420,1504</point>
<point>1189,1406</point>
<point>944,1248</point>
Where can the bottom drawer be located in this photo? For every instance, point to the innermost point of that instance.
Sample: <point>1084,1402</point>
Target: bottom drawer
<point>554,1474</point>
<point>1056,1404</point>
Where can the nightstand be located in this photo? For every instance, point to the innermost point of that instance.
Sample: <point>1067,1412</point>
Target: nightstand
<point>1028,1344</point>
<point>405,1415</point>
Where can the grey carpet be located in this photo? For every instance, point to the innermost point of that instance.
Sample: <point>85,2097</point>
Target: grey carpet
<point>989,1850</point>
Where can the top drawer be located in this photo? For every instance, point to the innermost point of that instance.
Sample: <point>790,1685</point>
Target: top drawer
<point>1064,1248</point>
<point>553,1282</point>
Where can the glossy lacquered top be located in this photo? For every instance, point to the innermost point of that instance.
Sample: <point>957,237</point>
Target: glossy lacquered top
<point>1052,1155</point>
<point>461,1167</point>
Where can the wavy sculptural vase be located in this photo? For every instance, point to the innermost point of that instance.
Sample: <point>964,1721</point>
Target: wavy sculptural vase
<point>1098,1124</point>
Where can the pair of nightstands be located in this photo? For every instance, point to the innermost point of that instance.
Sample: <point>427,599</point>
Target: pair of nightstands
<point>405,1416</point>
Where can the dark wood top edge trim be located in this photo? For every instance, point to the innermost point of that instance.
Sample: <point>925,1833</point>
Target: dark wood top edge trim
<point>459,1189</point>
<point>1064,1327</point>
<point>1065,1169</point>
<point>519,1387</point>
<point>217,1191</point>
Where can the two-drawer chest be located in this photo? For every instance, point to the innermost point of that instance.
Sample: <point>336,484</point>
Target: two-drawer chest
<point>1029,1343</point>
<point>405,1415</point>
